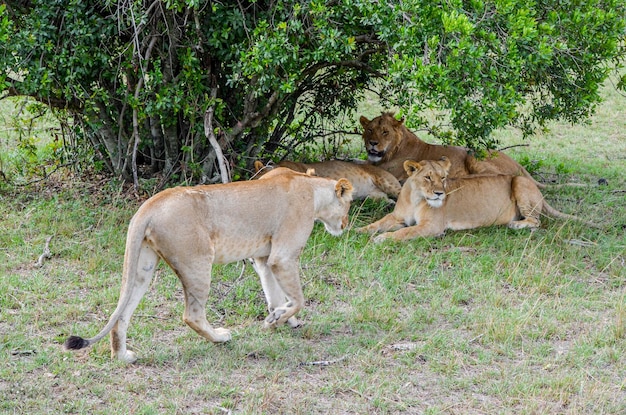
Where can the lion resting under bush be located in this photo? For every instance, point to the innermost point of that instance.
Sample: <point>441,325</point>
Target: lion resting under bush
<point>192,228</point>
<point>389,144</point>
<point>429,203</point>
<point>367,180</point>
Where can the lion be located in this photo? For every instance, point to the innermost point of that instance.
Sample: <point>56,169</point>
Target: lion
<point>192,228</point>
<point>389,144</point>
<point>367,180</point>
<point>430,203</point>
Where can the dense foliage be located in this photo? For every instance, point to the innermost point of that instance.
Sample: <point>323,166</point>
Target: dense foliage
<point>149,82</point>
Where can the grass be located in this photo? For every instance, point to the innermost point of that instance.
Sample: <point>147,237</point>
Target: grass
<point>485,321</point>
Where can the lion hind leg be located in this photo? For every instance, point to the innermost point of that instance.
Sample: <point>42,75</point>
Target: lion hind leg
<point>285,274</point>
<point>377,194</point>
<point>146,266</point>
<point>388,185</point>
<point>196,282</point>
<point>529,201</point>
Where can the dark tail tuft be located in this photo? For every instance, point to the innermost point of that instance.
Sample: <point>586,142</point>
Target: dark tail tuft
<point>75,343</point>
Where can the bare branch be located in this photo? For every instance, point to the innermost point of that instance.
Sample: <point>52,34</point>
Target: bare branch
<point>253,119</point>
<point>208,132</point>
<point>136,137</point>
<point>46,253</point>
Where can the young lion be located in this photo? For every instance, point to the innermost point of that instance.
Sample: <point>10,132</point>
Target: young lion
<point>429,203</point>
<point>367,180</point>
<point>389,144</point>
<point>192,228</point>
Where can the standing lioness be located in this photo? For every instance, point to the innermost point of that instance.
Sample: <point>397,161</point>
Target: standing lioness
<point>192,228</point>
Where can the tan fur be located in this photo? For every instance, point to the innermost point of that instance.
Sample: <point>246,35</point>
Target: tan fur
<point>389,144</point>
<point>367,180</point>
<point>430,203</point>
<point>192,228</point>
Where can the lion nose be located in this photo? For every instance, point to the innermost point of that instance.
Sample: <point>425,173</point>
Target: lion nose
<point>373,143</point>
<point>439,194</point>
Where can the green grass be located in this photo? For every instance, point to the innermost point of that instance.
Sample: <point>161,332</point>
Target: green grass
<point>484,321</point>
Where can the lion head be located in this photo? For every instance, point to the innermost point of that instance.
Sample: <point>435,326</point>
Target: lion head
<point>427,180</point>
<point>382,136</point>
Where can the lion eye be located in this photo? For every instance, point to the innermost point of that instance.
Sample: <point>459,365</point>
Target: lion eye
<point>428,178</point>
<point>369,130</point>
<point>385,132</point>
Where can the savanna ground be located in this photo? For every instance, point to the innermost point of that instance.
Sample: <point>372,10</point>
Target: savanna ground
<point>478,322</point>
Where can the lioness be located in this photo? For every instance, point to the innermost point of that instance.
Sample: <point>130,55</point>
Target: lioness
<point>389,144</point>
<point>367,180</point>
<point>192,228</point>
<point>429,203</point>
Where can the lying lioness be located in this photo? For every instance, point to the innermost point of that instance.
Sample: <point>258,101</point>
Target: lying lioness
<point>367,180</point>
<point>429,203</point>
<point>389,144</point>
<point>192,228</point>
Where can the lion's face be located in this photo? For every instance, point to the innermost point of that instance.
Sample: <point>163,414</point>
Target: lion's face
<point>381,136</point>
<point>334,215</point>
<point>427,180</point>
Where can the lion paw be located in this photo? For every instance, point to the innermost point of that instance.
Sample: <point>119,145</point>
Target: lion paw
<point>127,357</point>
<point>382,237</point>
<point>274,318</point>
<point>523,224</point>
<point>222,335</point>
<point>294,323</point>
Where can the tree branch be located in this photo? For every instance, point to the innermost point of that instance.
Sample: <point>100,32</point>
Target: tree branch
<point>46,253</point>
<point>136,137</point>
<point>208,132</point>
<point>253,119</point>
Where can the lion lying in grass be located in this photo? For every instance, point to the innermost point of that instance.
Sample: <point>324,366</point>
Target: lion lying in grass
<point>192,228</point>
<point>389,144</point>
<point>429,203</point>
<point>367,180</point>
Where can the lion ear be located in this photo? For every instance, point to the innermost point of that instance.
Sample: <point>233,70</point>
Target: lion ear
<point>258,165</point>
<point>412,166</point>
<point>364,121</point>
<point>445,163</point>
<point>343,189</point>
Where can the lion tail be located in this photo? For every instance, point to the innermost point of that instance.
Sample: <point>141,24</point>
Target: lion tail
<point>558,214</point>
<point>133,247</point>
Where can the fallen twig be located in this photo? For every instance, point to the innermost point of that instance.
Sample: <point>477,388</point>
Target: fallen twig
<point>23,352</point>
<point>323,362</point>
<point>578,242</point>
<point>46,253</point>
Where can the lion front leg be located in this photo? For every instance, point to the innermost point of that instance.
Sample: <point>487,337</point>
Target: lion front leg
<point>282,283</point>
<point>410,232</point>
<point>274,295</point>
<point>387,224</point>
